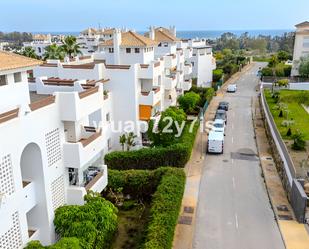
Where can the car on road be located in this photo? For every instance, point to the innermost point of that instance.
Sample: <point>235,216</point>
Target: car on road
<point>215,142</point>
<point>232,88</point>
<point>223,105</point>
<point>221,114</point>
<point>218,126</point>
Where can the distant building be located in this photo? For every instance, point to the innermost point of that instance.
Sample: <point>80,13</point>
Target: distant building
<point>301,47</point>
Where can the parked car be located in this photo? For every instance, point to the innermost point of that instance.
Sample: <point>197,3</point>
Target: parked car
<point>221,114</point>
<point>223,105</point>
<point>215,142</point>
<point>232,88</point>
<point>218,126</point>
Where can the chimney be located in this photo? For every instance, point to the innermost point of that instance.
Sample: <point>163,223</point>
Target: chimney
<point>117,43</point>
<point>152,32</point>
<point>173,30</point>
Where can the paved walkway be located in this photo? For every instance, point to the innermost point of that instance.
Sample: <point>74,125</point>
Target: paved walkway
<point>294,234</point>
<point>183,237</point>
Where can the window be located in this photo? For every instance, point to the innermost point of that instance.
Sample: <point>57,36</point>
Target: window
<point>306,42</point>
<point>166,45</point>
<point>128,50</point>
<point>3,80</point>
<point>192,64</point>
<point>39,49</point>
<point>107,117</point>
<point>111,50</point>
<point>17,77</point>
<point>137,50</point>
<point>160,44</point>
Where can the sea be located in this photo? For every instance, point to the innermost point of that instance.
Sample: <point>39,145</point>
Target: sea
<point>208,34</point>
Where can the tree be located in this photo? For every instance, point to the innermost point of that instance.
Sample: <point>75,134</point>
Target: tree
<point>53,52</point>
<point>304,67</point>
<point>130,140</point>
<point>189,101</point>
<point>70,46</point>
<point>122,140</point>
<point>93,224</point>
<point>217,75</point>
<point>29,52</point>
<point>283,56</point>
<point>167,130</point>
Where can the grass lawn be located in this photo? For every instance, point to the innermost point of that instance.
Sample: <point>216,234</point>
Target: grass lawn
<point>296,113</point>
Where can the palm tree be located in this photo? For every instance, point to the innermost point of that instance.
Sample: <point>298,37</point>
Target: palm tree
<point>122,140</point>
<point>54,52</point>
<point>130,140</point>
<point>29,52</point>
<point>70,47</point>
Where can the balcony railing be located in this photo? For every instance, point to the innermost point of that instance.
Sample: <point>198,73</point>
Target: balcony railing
<point>90,139</point>
<point>42,103</point>
<point>6,116</point>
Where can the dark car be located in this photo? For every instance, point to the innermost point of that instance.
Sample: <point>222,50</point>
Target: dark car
<point>223,106</point>
<point>221,114</point>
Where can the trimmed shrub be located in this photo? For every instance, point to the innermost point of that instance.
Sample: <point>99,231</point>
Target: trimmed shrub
<point>299,141</point>
<point>164,212</point>
<point>176,155</point>
<point>166,186</point>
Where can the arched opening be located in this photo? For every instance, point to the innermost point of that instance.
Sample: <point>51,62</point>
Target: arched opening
<point>31,166</point>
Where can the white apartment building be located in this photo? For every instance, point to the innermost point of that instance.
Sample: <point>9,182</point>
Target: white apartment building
<point>90,39</point>
<point>200,56</point>
<point>301,45</point>
<point>50,151</point>
<point>40,42</point>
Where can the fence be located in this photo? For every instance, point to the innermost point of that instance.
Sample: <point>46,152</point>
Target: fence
<point>298,197</point>
<point>271,79</point>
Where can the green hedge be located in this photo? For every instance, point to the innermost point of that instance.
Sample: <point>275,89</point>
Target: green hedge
<point>166,186</point>
<point>164,212</point>
<point>176,155</point>
<point>64,243</point>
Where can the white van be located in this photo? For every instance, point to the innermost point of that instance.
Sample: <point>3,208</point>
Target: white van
<point>215,143</point>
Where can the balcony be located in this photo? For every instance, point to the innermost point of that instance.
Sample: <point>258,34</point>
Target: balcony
<point>77,154</point>
<point>29,200</point>
<point>150,98</point>
<point>170,82</point>
<point>188,69</point>
<point>74,106</point>
<point>95,179</point>
<point>187,84</point>
<point>150,71</point>
<point>170,61</point>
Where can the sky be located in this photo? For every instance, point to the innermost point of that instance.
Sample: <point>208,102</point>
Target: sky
<point>76,15</point>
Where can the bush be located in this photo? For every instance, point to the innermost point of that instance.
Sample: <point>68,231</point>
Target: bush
<point>176,155</point>
<point>267,71</point>
<point>217,75</point>
<point>189,101</point>
<point>299,141</point>
<point>64,243</point>
<point>93,224</point>
<point>164,212</point>
<point>289,132</point>
<point>166,186</point>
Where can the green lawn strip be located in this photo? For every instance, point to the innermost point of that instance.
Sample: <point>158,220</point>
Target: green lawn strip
<point>296,113</point>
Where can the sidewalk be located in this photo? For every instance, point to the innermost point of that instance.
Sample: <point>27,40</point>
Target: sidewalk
<point>184,231</point>
<point>294,234</point>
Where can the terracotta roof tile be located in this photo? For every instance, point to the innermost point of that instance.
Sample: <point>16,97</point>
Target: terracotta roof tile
<point>131,39</point>
<point>164,35</point>
<point>303,24</point>
<point>10,61</point>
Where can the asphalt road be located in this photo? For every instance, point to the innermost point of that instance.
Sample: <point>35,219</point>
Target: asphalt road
<point>234,211</point>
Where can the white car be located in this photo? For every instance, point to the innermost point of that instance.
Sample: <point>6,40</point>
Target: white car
<point>232,88</point>
<point>218,126</point>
